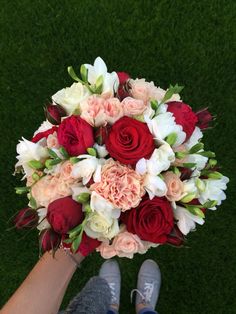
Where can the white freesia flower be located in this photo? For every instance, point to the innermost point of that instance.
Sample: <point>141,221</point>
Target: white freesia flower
<point>70,97</point>
<point>101,150</point>
<point>160,161</point>
<point>186,221</point>
<point>86,168</point>
<point>101,227</point>
<point>190,187</point>
<point>43,222</point>
<point>214,190</point>
<point>28,151</point>
<point>110,80</point>
<point>154,186</point>
<point>164,124</point>
<point>46,125</point>
<point>103,206</point>
<point>197,159</point>
<point>194,138</point>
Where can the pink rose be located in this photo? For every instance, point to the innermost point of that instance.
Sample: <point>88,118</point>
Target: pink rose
<point>133,106</point>
<point>175,186</point>
<point>107,251</point>
<point>113,110</point>
<point>52,141</point>
<point>120,185</point>
<point>66,171</point>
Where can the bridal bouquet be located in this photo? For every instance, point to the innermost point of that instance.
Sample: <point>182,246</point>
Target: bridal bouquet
<point>118,160</point>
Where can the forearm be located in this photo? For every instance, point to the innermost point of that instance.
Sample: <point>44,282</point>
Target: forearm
<point>43,289</point>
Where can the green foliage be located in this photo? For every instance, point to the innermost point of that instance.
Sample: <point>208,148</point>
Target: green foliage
<point>184,42</point>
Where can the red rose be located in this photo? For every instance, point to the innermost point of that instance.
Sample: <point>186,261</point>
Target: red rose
<point>49,240</point>
<point>152,220</point>
<point>204,118</point>
<point>123,90</point>
<point>64,214</point>
<point>54,113</point>
<point>76,135</point>
<point>183,116</point>
<point>45,134</point>
<point>26,218</point>
<point>176,237</point>
<point>129,140</point>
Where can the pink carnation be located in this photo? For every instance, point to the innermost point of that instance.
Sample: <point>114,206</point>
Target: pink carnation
<point>120,185</point>
<point>52,141</point>
<point>113,110</point>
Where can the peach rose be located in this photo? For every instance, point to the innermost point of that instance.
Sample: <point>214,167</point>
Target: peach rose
<point>113,110</point>
<point>66,171</point>
<point>107,251</point>
<point>175,186</point>
<point>120,185</point>
<point>52,141</point>
<point>133,106</point>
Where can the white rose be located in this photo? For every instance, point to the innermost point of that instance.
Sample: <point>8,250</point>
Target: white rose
<point>110,80</point>
<point>214,190</point>
<point>70,97</point>
<point>186,221</point>
<point>155,186</point>
<point>103,207</point>
<point>164,124</point>
<point>100,227</point>
<point>28,151</point>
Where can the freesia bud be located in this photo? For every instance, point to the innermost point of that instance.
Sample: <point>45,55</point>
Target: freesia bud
<point>200,185</point>
<point>188,198</point>
<point>35,164</point>
<point>83,198</point>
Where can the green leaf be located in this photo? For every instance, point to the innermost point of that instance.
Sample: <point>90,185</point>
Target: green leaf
<point>73,75</point>
<point>84,73</point>
<point>92,151</point>
<point>76,243</point>
<point>180,155</point>
<point>49,163</point>
<point>33,202</point>
<point>52,153</point>
<point>171,91</point>
<point>196,148</point>
<point>171,138</point>
<point>175,170</point>
<point>64,152</point>
<point>83,198</point>
<point>208,154</point>
<point>75,230</point>
<point>22,190</point>
<point>189,165</point>
<point>35,164</point>
<point>68,241</point>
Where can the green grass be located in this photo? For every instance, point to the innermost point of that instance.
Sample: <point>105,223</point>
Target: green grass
<point>167,41</point>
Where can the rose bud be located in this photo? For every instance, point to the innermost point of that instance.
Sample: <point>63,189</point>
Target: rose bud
<point>49,240</point>
<point>123,90</point>
<point>26,218</point>
<point>185,174</point>
<point>176,237</point>
<point>64,214</point>
<point>204,118</point>
<point>54,113</point>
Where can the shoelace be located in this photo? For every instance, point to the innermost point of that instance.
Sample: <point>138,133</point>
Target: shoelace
<point>146,296</point>
<point>113,293</point>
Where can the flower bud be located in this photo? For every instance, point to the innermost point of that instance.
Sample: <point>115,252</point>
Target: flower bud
<point>123,90</point>
<point>83,198</point>
<point>204,118</point>
<point>92,151</point>
<point>200,185</point>
<point>26,218</point>
<point>188,198</point>
<point>176,237</point>
<point>49,240</point>
<point>54,113</point>
<point>35,164</point>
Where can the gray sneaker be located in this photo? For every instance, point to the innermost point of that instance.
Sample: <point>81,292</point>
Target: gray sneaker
<point>148,286</point>
<point>110,271</point>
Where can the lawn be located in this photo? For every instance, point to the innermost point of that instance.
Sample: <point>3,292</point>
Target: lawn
<point>168,41</point>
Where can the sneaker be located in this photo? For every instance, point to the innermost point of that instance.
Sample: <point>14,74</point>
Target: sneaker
<point>110,271</point>
<point>148,286</point>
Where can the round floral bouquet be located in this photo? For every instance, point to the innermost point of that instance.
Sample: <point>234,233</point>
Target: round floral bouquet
<point>120,161</point>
